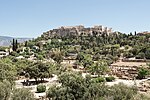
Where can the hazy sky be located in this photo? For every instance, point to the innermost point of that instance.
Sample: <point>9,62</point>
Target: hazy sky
<point>30,18</point>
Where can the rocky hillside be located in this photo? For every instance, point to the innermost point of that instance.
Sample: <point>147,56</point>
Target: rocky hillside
<point>6,41</point>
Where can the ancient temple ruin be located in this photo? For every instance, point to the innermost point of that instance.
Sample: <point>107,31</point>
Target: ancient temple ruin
<point>78,30</point>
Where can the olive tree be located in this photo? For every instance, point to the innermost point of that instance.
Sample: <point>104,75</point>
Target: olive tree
<point>5,90</point>
<point>22,94</point>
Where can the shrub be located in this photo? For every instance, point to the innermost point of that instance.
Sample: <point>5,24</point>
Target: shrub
<point>14,53</point>
<point>141,55</point>
<point>126,47</point>
<point>3,48</point>
<point>147,53</point>
<point>123,92</point>
<point>26,56</point>
<point>99,79</point>
<point>128,54</point>
<point>142,73</point>
<point>22,94</point>
<point>110,79</point>
<point>41,88</point>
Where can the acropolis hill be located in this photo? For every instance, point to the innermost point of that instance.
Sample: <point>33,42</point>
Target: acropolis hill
<point>78,30</point>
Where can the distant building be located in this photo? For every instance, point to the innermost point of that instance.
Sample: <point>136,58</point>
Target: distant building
<point>143,33</point>
<point>2,54</point>
<point>78,30</point>
<point>20,57</point>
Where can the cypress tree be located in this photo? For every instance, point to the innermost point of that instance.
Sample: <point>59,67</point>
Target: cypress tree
<point>26,43</point>
<point>16,45</point>
<point>13,45</point>
<point>135,33</point>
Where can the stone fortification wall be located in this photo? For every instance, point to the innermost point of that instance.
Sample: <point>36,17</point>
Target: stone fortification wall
<point>78,30</point>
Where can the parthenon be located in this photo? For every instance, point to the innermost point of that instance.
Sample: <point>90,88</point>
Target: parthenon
<point>78,30</point>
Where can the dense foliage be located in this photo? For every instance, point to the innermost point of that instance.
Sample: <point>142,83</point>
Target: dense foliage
<point>41,88</point>
<point>42,57</point>
<point>87,49</point>
<point>75,87</point>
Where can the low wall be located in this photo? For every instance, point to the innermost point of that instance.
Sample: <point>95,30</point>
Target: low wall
<point>135,60</point>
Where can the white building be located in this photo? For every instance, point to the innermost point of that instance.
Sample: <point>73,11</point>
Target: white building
<point>2,54</point>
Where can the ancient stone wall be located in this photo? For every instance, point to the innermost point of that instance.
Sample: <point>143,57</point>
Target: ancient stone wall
<point>78,30</point>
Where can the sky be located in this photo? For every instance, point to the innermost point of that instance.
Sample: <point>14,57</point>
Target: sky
<point>30,18</point>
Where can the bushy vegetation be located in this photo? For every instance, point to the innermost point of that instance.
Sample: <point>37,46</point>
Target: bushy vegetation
<point>9,92</point>
<point>92,52</point>
<point>22,94</point>
<point>75,87</point>
<point>99,79</point>
<point>12,68</point>
<point>110,79</point>
<point>142,73</point>
<point>90,48</point>
<point>41,88</point>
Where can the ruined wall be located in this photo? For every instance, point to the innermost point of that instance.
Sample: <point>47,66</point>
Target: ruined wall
<point>78,30</point>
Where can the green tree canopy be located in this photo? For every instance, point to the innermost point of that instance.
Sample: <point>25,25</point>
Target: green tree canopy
<point>22,94</point>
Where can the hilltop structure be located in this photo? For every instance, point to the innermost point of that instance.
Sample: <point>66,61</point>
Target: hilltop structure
<point>78,30</point>
<point>144,33</point>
